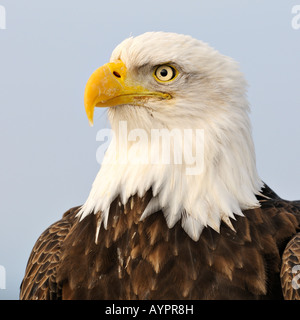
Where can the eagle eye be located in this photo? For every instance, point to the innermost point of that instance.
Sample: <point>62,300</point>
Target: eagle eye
<point>165,73</point>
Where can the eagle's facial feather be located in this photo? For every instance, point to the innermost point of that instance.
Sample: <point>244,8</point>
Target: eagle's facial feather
<point>208,93</point>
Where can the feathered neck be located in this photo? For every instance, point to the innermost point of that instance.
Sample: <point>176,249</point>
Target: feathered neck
<point>223,183</point>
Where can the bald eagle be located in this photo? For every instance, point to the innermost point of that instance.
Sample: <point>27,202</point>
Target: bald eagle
<point>158,223</point>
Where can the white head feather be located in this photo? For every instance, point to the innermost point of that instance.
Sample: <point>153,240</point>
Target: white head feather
<point>208,94</point>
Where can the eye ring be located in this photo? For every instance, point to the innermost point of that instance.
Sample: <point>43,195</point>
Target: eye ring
<point>165,73</point>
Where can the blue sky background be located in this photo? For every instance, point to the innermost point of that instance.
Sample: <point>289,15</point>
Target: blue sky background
<point>48,51</point>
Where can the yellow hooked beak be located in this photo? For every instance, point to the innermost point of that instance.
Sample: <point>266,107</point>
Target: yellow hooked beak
<point>110,86</point>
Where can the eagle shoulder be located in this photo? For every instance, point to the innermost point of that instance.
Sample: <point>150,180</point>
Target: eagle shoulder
<point>39,282</point>
<point>290,269</point>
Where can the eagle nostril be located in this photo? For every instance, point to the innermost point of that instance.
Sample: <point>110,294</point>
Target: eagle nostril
<point>117,74</point>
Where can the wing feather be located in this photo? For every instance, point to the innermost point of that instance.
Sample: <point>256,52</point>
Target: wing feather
<point>39,282</point>
<point>290,270</point>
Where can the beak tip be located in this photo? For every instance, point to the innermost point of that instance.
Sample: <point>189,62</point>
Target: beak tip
<point>90,113</point>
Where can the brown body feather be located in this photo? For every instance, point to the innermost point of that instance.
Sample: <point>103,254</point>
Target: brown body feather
<point>135,259</point>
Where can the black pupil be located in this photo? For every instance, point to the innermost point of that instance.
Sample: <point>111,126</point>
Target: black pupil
<point>164,72</point>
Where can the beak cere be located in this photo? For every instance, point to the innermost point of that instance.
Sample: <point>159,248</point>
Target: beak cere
<point>110,86</point>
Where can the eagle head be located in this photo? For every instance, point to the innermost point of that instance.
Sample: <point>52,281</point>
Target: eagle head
<point>165,84</point>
